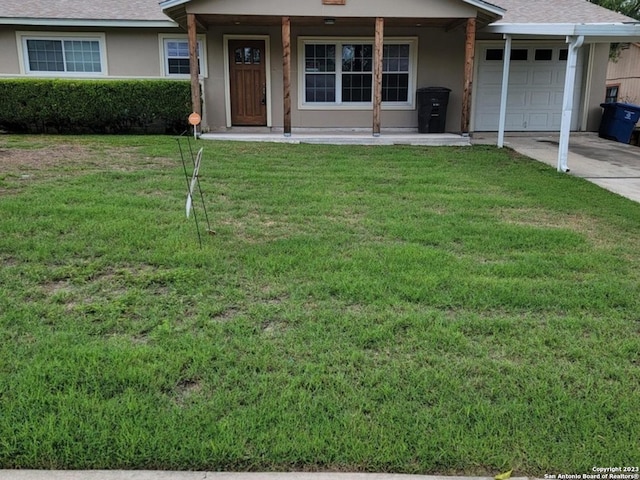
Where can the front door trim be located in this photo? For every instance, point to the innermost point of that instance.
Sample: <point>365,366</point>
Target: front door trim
<point>227,81</point>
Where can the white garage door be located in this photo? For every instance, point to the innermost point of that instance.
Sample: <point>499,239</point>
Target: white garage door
<point>536,85</point>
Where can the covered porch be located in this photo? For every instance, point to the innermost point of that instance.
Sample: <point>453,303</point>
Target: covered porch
<point>331,64</point>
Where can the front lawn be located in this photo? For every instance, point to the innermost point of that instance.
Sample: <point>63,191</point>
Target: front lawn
<point>394,309</point>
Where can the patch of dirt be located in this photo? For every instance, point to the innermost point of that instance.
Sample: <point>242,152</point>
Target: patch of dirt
<point>70,159</point>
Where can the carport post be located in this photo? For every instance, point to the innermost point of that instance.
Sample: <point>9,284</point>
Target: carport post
<point>505,90</point>
<point>567,103</point>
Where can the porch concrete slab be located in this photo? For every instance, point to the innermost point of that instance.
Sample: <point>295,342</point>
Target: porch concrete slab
<point>337,138</point>
<point>169,475</point>
<point>612,165</point>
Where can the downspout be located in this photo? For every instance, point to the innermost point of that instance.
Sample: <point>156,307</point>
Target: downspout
<point>505,90</point>
<point>567,104</point>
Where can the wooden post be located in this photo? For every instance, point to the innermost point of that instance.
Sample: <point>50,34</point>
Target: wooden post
<point>193,63</point>
<point>469,58</point>
<point>377,74</point>
<point>286,73</point>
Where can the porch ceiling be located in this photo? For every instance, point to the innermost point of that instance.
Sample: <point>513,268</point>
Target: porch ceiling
<point>261,20</point>
<point>206,20</point>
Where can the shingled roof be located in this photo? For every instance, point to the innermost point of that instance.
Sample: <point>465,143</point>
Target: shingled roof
<point>557,11</point>
<point>118,10</point>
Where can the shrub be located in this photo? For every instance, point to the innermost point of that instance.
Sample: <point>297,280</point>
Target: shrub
<point>94,106</point>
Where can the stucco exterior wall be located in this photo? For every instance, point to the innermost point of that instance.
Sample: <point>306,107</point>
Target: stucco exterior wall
<point>600,58</point>
<point>9,65</point>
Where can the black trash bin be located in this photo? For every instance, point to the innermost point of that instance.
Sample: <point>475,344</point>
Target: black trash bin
<point>618,121</point>
<point>432,109</point>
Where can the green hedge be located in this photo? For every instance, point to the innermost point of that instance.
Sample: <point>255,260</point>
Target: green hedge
<point>94,106</point>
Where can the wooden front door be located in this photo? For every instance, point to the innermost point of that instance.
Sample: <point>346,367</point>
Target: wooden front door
<point>248,83</point>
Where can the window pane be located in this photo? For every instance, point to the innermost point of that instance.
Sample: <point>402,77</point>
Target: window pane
<point>563,54</point>
<point>82,56</point>
<point>494,54</point>
<point>179,66</point>
<point>357,58</point>
<point>320,58</point>
<point>320,88</point>
<point>544,54</point>
<point>395,87</point>
<point>521,54</point>
<point>45,55</point>
<point>356,87</point>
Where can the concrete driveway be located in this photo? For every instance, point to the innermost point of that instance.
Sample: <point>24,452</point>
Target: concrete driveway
<point>611,165</point>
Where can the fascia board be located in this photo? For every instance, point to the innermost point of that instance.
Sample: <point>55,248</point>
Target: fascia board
<point>172,3</point>
<point>605,30</point>
<point>486,6</point>
<point>65,22</point>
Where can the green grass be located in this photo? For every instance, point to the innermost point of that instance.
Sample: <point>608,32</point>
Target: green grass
<point>396,309</point>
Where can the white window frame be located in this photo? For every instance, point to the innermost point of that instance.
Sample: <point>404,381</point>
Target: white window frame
<point>164,57</point>
<point>339,41</point>
<point>23,53</point>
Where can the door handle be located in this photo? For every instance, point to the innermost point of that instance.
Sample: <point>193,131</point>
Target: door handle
<point>264,95</point>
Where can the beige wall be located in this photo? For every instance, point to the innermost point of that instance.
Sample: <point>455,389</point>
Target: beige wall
<point>353,8</point>
<point>8,53</point>
<point>440,60</point>
<point>625,72</point>
<point>596,88</point>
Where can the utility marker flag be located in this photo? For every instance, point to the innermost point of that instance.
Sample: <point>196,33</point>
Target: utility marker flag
<point>194,181</point>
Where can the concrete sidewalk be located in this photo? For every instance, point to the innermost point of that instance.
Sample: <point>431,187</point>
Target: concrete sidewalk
<point>166,475</point>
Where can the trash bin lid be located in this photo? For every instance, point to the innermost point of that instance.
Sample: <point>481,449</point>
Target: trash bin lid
<point>434,89</point>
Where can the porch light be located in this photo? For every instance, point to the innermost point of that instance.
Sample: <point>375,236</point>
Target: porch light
<point>329,21</point>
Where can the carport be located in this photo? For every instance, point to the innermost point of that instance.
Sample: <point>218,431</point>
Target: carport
<point>576,36</point>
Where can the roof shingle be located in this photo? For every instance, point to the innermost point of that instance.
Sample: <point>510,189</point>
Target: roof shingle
<point>83,9</point>
<point>557,11</point>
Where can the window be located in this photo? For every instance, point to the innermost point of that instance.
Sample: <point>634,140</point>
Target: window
<point>63,55</point>
<point>497,54</point>
<point>176,56</point>
<point>494,54</point>
<point>612,94</point>
<point>544,54</point>
<point>519,54</point>
<point>562,56</point>
<point>341,72</point>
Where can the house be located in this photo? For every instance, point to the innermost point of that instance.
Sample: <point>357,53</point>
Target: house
<point>623,76</point>
<point>511,65</point>
<point>89,39</point>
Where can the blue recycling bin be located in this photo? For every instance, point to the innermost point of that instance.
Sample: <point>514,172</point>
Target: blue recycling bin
<point>618,121</point>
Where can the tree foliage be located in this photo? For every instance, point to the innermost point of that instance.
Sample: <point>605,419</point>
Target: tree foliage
<point>630,8</point>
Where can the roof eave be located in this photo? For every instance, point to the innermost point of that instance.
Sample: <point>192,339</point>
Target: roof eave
<point>488,7</point>
<point>72,22</point>
<point>601,30</point>
<point>165,4</point>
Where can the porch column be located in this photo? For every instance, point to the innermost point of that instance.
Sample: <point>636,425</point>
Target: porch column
<point>286,73</point>
<point>193,63</point>
<point>567,103</point>
<point>377,75</point>
<point>469,58</point>
<point>506,58</point>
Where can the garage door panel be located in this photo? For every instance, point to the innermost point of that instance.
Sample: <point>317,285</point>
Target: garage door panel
<point>536,89</point>
<point>518,78</point>
<point>517,100</point>
<point>543,78</point>
<point>541,98</point>
<point>540,120</point>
